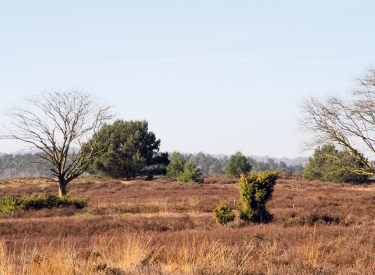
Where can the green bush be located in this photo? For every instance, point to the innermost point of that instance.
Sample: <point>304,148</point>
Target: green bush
<point>46,200</point>
<point>49,200</point>
<point>255,192</point>
<point>8,204</point>
<point>223,214</point>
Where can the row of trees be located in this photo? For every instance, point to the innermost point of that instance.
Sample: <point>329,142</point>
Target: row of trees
<point>134,151</point>
<point>55,121</point>
<point>234,167</point>
<point>210,165</point>
<point>272,165</point>
<point>27,165</point>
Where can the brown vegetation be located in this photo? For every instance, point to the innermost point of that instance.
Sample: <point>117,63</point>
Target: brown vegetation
<point>165,227</point>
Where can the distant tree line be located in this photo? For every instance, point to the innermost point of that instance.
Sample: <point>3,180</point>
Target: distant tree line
<point>26,165</point>
<point>30,165</point>
<point>272,165</point>
<point>210,165</point>
<point>54,121</point>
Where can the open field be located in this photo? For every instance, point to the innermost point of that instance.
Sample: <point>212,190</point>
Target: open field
<point>165,227</point>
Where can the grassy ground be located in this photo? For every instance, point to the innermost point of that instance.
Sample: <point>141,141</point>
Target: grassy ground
<point>164,227</point>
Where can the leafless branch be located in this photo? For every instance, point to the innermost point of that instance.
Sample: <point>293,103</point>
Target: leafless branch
<point>56,121</point>
<point>349,123</point>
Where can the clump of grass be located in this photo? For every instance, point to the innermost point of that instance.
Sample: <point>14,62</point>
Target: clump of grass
<point>46,200</point>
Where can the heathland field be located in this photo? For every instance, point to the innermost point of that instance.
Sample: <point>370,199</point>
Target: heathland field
<point>166,227</point>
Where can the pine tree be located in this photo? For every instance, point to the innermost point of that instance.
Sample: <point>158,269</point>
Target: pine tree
<point>237,165</point>
<point>175,166</point>
<point>191,173</point>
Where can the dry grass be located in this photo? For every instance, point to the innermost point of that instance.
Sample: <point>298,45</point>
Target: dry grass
<point>164,227</point>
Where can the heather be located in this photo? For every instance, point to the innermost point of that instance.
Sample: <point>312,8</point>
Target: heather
<point>166,227</point>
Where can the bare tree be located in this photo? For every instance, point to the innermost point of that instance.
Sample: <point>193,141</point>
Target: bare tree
<point>55,122</point>
<point>347,122</point>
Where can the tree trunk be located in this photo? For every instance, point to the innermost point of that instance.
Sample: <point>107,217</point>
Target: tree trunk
<point>62,189</point>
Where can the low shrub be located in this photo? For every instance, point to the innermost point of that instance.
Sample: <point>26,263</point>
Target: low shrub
<point>223,214</point>
<point>8,204</point>
<point>330,219</point>
<point>311,219</point>
<point>46,200</point>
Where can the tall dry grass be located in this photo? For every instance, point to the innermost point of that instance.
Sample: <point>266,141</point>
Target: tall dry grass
<point>255,250</point>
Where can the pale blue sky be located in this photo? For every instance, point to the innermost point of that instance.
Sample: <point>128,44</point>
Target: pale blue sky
<point>211,76</point>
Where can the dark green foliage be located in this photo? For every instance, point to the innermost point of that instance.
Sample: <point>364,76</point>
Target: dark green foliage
<point>223,214</point>
<point>129,150</point>
<point>237,165</point>
<point>329,164</point>
<point>255,192</point>
<point>49,200</point>
<point>190,173</point>
<point>46,200</point>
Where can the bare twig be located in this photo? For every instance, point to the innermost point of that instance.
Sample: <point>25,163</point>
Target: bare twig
<point>56,121</point>
<point>347,123</point>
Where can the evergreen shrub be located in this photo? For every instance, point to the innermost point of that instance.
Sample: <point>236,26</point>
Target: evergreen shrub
<point>223,214</point>
<point>46,200</point>
<point>255,192</point>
